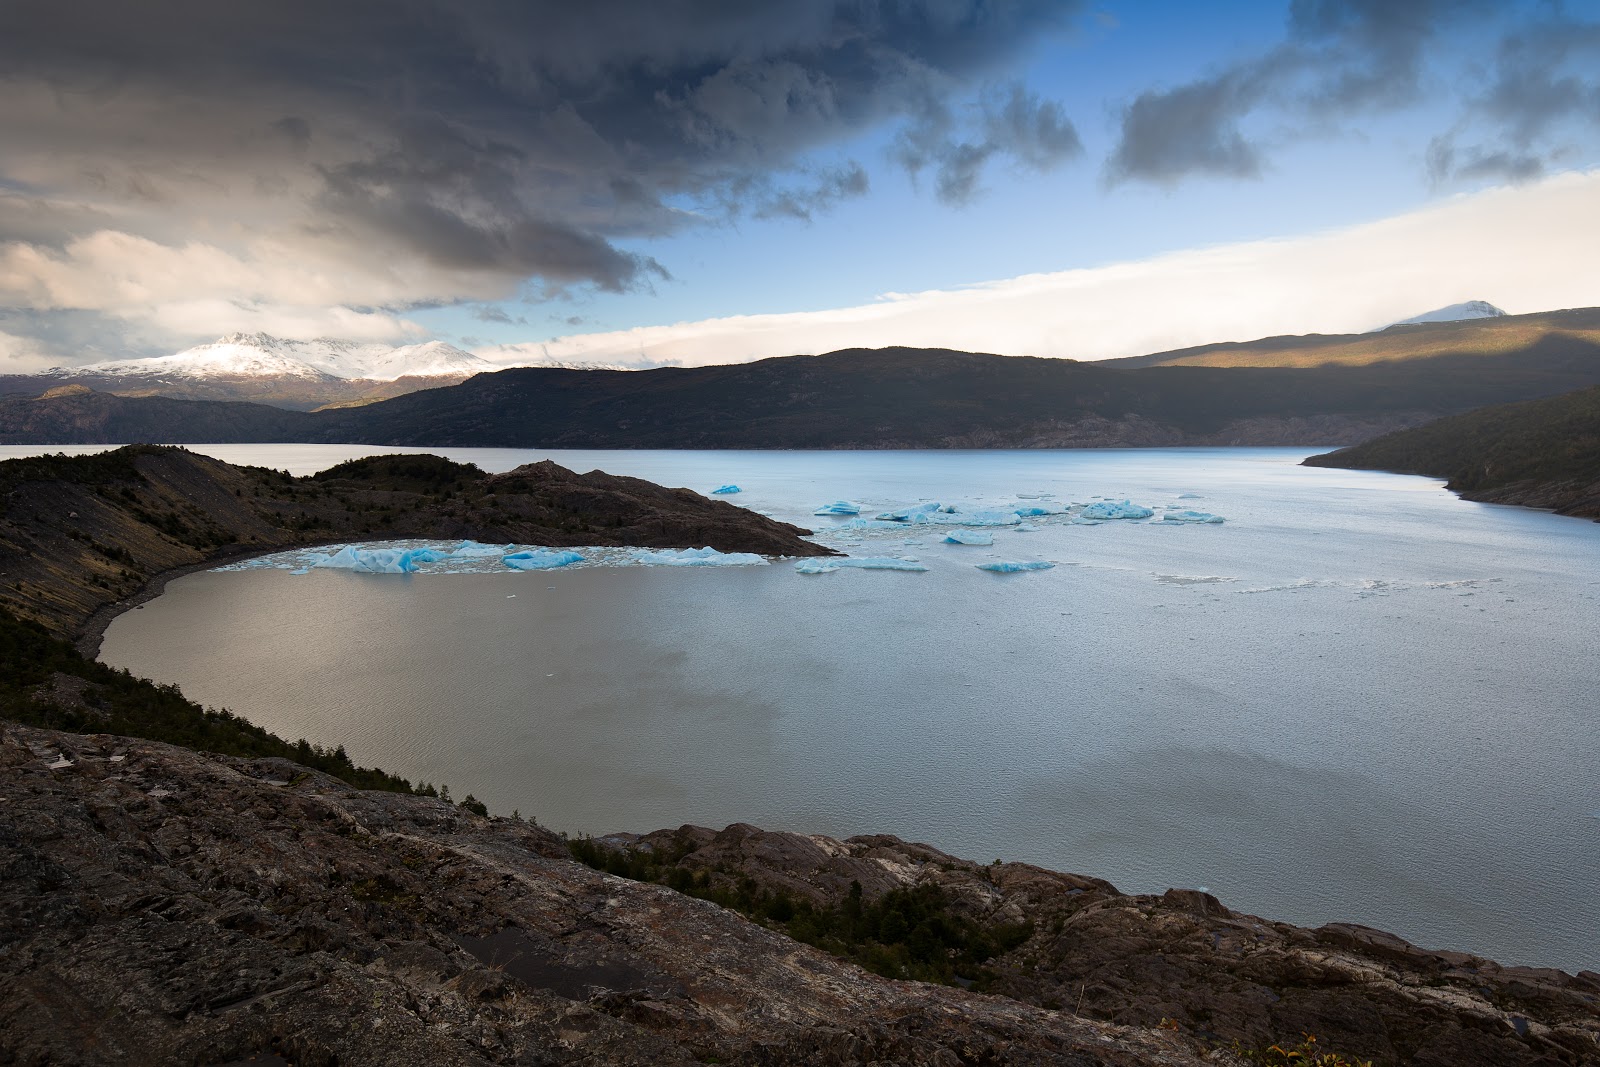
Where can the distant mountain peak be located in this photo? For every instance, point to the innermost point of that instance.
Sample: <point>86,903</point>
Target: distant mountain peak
<point>1471,309</point>
<point>261,355</point>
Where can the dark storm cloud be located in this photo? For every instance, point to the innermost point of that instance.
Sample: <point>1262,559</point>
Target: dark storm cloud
<point>500,136</point>
<point>1005,121</point>
<point>1544,95</point>
<point>1339,58</point>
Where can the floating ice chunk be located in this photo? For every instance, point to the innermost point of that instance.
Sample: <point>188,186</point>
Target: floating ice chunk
<point>1035,510</point>
<point>541,559</point>
<point>1110,509</point>
<point>474,550</point>
<point>1009,567</point>
<point>1079,520</point>
<point>699,557</point>
<point>990,518</point>
<point>429,555</point>
<point>839,507</point>
<point>1190,496</point>
<point>1024,527</point>
<point>1186,515</point>
<point>727,490</point>
<point>866,524</point>
<point>914,513</point>
<point>301,570</point>
<point>968,537</point>
<point>371,560</point>
<point>860,563</point>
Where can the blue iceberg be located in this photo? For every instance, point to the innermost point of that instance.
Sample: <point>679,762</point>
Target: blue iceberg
<point>1108,509</point>
<point>1013,568</point>
<point>371,560</point>
<point>726,490</point>
<point>542,559</point>
<point>839,507</point>
<point>1029,511</point>
<point>1186,515</point>
<point>698,557</point>
<point>968,537</point>
<point>863,563</point>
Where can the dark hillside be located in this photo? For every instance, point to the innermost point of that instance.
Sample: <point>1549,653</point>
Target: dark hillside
<point>1538,453</point>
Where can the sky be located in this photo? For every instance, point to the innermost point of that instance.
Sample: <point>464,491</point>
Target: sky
<point>649,182</point>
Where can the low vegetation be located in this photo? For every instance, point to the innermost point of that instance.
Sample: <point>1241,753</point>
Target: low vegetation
<point>907,933</point>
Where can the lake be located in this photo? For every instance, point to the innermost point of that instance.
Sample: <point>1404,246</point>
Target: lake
<point>1358,699</point>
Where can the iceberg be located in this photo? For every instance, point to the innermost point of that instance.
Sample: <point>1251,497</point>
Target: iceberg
<point>371,560</point>
<point>1013,568</point>
<point>727,490</point>
<point>839,507</point>
<point>1186,515</point>
<point>968,537</point>
<point>542,559</point>
<point>861,563</point>
<point>1109,509</point>
<point>698,557</point>
<point>1029,511</point>
<point>1024,527</point>
<point>429,555</point>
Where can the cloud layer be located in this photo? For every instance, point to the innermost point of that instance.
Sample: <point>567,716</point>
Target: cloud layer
<point>1525,248</point>
<point>296,157</point>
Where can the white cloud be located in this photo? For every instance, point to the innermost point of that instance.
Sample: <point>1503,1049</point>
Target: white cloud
<point>1524,248</point>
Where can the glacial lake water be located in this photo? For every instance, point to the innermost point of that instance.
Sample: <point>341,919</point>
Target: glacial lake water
<point>1359,699</point>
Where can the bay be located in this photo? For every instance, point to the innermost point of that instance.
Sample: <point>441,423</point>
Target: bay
<point>1359,699</point>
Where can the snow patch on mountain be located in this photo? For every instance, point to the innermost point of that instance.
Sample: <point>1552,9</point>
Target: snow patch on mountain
<point>1471,309</point>
<point>259,355</point>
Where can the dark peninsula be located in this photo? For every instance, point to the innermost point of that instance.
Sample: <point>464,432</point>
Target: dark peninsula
<point>81,536</point>
<point>1538,453</point>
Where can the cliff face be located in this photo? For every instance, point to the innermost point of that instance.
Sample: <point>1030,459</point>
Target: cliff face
<point>158,906</point>
<point>78,534</point>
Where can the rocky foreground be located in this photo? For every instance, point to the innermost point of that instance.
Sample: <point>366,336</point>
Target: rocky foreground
<point>162,906</point>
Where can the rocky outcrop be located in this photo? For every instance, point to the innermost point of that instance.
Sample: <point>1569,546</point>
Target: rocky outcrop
<point>81,536</point>
<point>1182,958</point>
<point>159,906</point>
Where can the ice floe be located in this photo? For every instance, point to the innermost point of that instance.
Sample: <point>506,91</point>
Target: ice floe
<point>541,559</point>
<point>968,537</point>
<point>839,507</point>
<point>1112,509</point>
<point>1184,515</point>
<point>698,557</point>
<point>1013,567</point>
<point>727,490</point>
<point>860,563</point>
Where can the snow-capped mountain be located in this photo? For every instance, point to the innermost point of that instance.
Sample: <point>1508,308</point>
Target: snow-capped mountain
<point>1471,309</point>
<point>259,355</point>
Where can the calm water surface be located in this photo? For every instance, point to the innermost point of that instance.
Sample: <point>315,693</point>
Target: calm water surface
<point>1360,699</point>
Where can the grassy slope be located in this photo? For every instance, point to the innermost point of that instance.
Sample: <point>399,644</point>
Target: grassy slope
<point>1540,452</point>
<point>1471,338</point>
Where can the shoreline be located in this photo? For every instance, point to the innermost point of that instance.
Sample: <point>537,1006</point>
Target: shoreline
<point>91,635</point>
